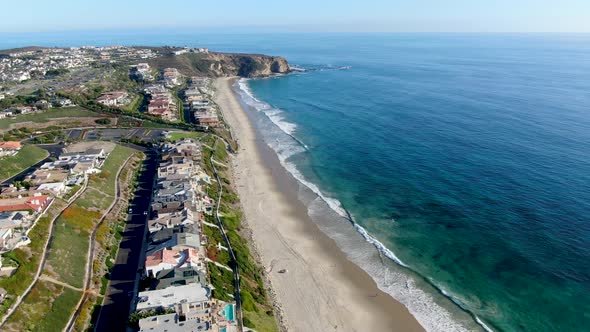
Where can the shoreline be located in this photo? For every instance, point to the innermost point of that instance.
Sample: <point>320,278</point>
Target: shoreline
<point>322,290</point>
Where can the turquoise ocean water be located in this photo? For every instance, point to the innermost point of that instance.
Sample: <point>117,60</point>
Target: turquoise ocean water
<point>462,158</point>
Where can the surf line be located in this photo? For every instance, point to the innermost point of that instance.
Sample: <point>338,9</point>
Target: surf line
<point>384,251</point>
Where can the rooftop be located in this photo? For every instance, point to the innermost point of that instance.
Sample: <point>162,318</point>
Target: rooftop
<point>170,296</point>
<point>10,145</point>
<point>170,323</point>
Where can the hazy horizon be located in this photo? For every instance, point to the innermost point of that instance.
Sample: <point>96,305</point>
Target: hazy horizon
<point>430,16</point>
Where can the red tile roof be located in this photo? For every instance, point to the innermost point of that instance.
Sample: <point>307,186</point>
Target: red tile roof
<point>10,145</point>
<point>35,203</point>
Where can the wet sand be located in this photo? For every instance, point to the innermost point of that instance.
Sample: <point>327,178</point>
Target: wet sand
<point>321,290</point>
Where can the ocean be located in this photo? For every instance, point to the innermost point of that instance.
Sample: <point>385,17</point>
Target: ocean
<point>462,158</point>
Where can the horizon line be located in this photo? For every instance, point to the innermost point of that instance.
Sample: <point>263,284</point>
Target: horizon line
<point>275,30</point>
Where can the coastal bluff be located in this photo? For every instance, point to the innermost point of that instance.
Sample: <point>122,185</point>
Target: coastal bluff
<point>215,64</point>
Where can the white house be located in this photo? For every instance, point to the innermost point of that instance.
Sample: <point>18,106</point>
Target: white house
<point>58,188</point>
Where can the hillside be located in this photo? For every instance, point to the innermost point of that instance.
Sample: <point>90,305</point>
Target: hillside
<point>223,64</point>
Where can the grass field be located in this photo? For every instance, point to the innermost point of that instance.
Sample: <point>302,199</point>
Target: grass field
<point>53,113</point>
<point>61,309</point>
<point>67,257</point>
<point>28,257</point>
<point>178,135</point>
<point>260,321</point>
<point>69,246</point>
<point>26,157</point>
<point>47,308</point>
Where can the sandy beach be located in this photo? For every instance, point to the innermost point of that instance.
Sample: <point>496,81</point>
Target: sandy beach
<point>321,290</point>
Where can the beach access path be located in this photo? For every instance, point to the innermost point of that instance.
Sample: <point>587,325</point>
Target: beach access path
<point>321,289</point>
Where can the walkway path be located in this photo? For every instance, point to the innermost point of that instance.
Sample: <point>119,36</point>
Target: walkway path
<point>207,259</point>
<point>55,281</point>
<point>210,224</point>
<point>219,163</point>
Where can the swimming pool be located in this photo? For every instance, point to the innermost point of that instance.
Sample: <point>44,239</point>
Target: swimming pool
<point>228,311</point>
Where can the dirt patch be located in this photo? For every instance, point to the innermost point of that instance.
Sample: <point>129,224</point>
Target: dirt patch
<point>56,122</point>
<point>85,146</point>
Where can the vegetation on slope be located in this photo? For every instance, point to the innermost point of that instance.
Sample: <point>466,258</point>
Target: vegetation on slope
<point>28,156</point>
<point>258,312</point>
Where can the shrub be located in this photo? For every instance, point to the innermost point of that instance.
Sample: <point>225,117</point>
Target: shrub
<point>103,121</point>
<point>248,323</point>
<point>248,301</point>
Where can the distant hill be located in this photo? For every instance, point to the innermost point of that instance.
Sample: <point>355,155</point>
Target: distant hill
<point>22,49</point>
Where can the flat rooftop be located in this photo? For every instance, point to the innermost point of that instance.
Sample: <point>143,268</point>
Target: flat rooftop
<point>170,323</point>
<point>170,296</point>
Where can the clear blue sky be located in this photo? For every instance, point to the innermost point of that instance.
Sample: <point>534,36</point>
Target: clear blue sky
<point>302,15</point>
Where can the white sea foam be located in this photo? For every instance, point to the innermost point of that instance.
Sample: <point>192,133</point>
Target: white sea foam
<point>243,84</point>
<point>487,328</point>
<point>380,246</point>
<point>276,117</point>
<point>402,287</point>
<point>297,68</point>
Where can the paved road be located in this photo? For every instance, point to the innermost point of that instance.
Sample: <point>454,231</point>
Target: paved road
<point>121,291</point>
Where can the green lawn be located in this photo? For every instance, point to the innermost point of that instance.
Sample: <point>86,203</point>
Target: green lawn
<point>178,135</point>
<point>26,157</point>
<point>52,113</point>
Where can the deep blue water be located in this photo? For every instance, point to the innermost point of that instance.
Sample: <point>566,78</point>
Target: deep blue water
<point>466,155</point>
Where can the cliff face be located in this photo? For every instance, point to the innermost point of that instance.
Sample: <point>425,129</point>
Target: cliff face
<point>224,64</point>
<point>247,65</point>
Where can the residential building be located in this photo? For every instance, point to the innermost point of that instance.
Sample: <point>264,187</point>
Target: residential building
<point>41,176</point>
<point>169,297</point>
<point>115,98</point>
<point>56,188</point>
<point>84,162</point>
<point>171,323</point>
<point>179,277</point>
<point>9,148</point>
<point>35,203</point>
